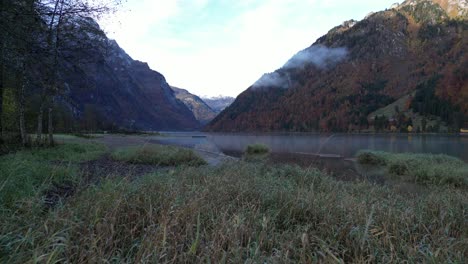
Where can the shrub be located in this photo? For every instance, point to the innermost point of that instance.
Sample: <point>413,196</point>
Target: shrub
<point>370,158</point>
<point>257,149</point>
<point>398,169</point>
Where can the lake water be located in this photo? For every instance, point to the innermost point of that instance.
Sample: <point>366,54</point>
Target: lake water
<point>325,146</point>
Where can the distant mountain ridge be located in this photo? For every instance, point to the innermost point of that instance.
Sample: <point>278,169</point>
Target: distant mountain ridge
<point>202,112</point>
<point>219,103</point>
<point>415,50</point>
<point>104,88</point>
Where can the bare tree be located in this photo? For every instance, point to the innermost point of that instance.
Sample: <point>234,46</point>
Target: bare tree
<point>1,86</point>
<point>22,81</point>
<point>2,48</point>
<point>61,13</point>
<point>31,48</point>
<point>18,34</point>
<point>50,29</point>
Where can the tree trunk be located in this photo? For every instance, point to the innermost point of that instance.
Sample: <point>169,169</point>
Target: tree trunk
<point>21,105</point>
<point>40,118</point>
<point>2,46</point>
<point>1,106</point>
<point>1,100</point>
<point>51,127</point>
<point>60,14</point>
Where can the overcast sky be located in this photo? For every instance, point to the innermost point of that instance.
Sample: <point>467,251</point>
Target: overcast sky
<point>221,47</point>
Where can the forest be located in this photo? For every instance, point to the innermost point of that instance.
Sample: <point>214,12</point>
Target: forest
<point>38,37</point>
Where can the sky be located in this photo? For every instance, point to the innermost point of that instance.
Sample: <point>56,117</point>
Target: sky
<point>221,47</point>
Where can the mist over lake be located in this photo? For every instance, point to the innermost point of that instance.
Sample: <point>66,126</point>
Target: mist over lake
<point>343,145</point>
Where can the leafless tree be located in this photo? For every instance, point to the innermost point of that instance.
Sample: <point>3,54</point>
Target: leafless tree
<point>31,48</point>
<point>60,14</point>
<point>16,50</point>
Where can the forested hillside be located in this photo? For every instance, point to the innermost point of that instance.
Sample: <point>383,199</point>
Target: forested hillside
<point>412,56</point>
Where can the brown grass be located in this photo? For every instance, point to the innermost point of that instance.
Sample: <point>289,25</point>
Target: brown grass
<point>237,213</point>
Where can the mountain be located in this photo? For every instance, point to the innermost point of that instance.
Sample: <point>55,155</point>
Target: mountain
<point>410,59</point>
<point>219,103</point>
<point>202,112</point>
<point>104,88</point>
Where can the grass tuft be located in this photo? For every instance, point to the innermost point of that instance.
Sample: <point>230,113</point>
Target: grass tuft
<point>85,136</point>
<point>158,155</point>
<point>371,158</point>
<point>257,149</point>
<point>257,153</point>
<point>420,168</point>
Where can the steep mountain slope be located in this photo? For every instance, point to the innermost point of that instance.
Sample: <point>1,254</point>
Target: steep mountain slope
<point>106,88</point>
<point>415,49</point>
<point>202,112</point>
<point>219,103</point>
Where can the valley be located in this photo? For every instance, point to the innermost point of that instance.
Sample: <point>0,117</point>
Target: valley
<point>355,150</point>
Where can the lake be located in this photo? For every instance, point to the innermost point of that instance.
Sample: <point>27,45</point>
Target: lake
<point>322,145</point>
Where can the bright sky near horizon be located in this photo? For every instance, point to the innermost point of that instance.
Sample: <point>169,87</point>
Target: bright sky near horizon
<point>221,47</point>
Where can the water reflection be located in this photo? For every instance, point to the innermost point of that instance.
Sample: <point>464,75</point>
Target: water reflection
<point>344,145</point>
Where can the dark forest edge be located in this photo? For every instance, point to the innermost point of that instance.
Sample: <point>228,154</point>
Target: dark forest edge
<point>39,38</point>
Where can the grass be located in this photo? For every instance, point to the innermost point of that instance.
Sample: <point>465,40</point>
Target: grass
<point>24,179</point>
<point>390,111</point>
<point>158,155</point>
<point>85,136</point>
<point>10,142</point>
<point>241,213</point>
<point>257,149</point>
<point>371,158</point>
<point>420,168</point>
<point>69,152</point>
<point>256,153</point>
<point>136,133</point>
<point>30,173</point>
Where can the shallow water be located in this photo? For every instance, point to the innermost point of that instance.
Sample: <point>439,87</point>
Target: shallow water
<point>334,154</point>
<point>325,146</point>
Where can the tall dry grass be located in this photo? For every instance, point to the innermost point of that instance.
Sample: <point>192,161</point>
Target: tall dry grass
<point>240,213</point>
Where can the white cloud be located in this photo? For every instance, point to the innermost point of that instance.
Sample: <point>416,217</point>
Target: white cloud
<point>213,47</point>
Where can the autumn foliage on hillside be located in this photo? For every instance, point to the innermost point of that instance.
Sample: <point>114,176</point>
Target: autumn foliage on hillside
<point>390,55</point>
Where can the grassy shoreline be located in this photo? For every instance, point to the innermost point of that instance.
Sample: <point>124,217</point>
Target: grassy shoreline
<point>237,212</point>
<point>158,155</point>
<point>426,169</point>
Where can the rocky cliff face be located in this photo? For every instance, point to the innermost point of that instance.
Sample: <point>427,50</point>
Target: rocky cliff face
<point>105,87</point>
<point>202,112</point>
<point>453,8</point>
<point>416,49</point>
